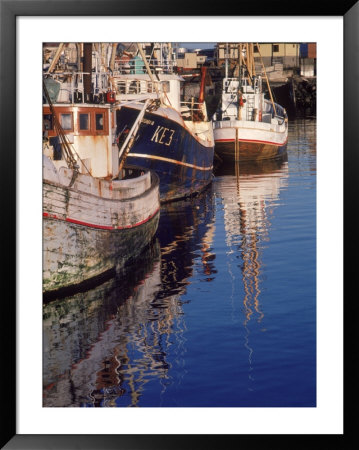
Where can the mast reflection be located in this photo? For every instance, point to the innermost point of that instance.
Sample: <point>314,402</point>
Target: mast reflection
<point>249,193</point>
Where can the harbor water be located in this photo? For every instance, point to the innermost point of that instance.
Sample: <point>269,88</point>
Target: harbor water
<point>219,311</point>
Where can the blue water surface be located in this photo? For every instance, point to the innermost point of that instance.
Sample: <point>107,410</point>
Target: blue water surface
<point>219,311</point>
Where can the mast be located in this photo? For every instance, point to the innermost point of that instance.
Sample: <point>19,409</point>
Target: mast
<point>203,79</point>
<point>113,56</point>
<point>78,48</point>
<point>239,64</point>
<point>87,65</point>
<point>226,60</point>
<point>56,58</point>
<point>269,88</point>
<point>239,109</point>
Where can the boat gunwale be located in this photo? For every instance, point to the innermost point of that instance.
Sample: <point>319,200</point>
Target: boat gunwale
<point>155,181</point>
<point>248,128</point>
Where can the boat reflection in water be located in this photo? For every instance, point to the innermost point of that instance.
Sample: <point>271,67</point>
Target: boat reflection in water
<point>101,347</point>
<point>248,193</point>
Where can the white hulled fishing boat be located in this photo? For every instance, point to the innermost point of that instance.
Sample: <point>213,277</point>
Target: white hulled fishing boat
<point>95,216</point>
<point>248,127</point>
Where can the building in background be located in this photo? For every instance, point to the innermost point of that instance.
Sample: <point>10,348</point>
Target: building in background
<point>308,59</point>
<point>290,55</point>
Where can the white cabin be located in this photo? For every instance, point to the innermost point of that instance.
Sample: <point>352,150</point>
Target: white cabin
<point>131,87</point>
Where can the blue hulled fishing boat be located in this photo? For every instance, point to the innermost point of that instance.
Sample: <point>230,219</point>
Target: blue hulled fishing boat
<point>156,130</point>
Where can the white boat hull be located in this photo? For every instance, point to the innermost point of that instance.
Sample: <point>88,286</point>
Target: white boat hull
<point>249,140</point>
<point>91,226</point>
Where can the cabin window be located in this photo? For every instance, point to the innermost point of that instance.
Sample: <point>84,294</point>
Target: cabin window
<point>275,48</point>
<point>84,121</point>
<point>47,122</point>
<point>255,49</point>
<point>66,121</point>
<point>91,122</point>
<point>99,122</point>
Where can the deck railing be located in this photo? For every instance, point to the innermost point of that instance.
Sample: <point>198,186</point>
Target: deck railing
<point>72,86</point>
<point>129,86</point>
<point>137,66</point>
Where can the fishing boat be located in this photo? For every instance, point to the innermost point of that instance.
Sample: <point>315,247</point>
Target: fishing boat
<point>248,127</point>
<point>96,216</point>
<point>158,131</point>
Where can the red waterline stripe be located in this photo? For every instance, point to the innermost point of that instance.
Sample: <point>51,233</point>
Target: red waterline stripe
<point>251,140</point>
<point>101,227</point>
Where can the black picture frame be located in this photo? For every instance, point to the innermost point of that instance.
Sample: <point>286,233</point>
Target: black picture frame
<point>9,11</point>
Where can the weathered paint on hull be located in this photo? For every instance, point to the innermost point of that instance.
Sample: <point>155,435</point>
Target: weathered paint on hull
<point>74,253</point>
<point>92,225</point>
<point>248,151</point>
<point>183,164</point>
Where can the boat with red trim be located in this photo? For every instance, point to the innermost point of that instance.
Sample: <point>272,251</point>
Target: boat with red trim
<point>248,127</point>
<point>174,138</point>
<point>92,225</point>
<point>96,215</point>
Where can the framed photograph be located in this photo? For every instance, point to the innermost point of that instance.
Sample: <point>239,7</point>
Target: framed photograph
<point>223,320</point>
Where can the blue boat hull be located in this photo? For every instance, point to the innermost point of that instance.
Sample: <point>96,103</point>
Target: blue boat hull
<point>182,163</point>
